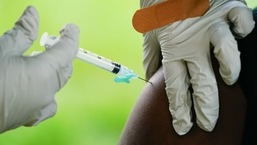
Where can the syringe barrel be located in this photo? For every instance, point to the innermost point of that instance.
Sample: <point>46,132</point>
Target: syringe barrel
<point>103,63</point>
<point>99,61</point>
<point>89,57</point>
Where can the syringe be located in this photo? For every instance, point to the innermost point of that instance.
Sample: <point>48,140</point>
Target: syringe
<point>123,73</point>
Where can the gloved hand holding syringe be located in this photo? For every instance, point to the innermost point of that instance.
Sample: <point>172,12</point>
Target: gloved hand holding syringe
<point>123,73</point>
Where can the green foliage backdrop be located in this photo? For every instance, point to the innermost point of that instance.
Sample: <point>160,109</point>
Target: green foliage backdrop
<point>93,109</point>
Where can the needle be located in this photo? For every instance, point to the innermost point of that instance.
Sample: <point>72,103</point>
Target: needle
<point>145,80</point>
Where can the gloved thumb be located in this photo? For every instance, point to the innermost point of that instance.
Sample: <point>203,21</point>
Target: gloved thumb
<point>62,53</point>
<point>66,49</point>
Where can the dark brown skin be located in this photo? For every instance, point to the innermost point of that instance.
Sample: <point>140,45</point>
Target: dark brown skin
<point>150,122</point>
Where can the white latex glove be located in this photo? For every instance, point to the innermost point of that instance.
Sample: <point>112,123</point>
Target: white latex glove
<point>184,49</point>
<point>29,83</point>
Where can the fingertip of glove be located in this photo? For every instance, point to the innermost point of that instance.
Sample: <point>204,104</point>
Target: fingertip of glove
<point>70,26</point>
<point>31,9</point>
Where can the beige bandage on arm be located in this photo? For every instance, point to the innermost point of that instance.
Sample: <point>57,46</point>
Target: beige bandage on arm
<point>167,12</point>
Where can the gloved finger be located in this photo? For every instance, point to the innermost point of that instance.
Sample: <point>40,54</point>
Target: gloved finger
<point>42,114</point>
<point>205,94</point>
<point>29,22</point>
<point>30,117</point>
<point>151,54</point>
<point>242,21</point>
<point>177,89</point>
<point>226,52</point>
<point>21,37</point>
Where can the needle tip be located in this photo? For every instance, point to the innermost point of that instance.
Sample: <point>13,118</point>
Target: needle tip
<point>145,80</point>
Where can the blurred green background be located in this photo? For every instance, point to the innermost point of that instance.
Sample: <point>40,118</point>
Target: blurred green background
<point>93,109</point>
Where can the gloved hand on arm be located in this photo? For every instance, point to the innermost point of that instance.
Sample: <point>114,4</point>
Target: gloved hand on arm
<point>29,83</point>
<point>183,48</point>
